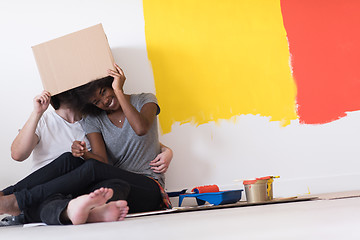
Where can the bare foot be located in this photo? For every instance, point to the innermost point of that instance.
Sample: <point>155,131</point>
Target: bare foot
<point>9,205</point>
<point>110,212</point>
<point>79,208</point>
<point>1,194</point>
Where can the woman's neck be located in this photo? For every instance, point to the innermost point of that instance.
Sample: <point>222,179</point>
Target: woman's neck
<point>68,114</point>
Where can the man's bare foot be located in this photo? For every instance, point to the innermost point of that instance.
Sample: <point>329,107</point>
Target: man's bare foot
<point>9,205</point>
<point>1,194</point>
<point>110,212</point>
<point>79,208</point>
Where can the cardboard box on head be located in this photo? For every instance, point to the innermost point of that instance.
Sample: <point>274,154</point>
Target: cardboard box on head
<point>74,59</point>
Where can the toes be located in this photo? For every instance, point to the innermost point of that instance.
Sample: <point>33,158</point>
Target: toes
<point>97,192</point>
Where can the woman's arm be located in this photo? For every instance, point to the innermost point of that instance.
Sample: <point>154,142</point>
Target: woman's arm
<point>140,121</point>
<point>98,149</point>
<point>26,140</point>
<point>162,161</point>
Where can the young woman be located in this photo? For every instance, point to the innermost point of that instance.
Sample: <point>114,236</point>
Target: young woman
<point>121,127</point>
<point>145,177</point>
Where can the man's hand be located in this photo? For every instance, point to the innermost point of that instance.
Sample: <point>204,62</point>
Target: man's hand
<point>41,102</point>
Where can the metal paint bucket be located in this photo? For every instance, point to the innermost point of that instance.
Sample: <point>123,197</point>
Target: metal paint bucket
<point>259,189</point>
<point>256,190</point>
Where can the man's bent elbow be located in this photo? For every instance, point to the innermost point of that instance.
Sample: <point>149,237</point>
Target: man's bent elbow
<point>18,156</point>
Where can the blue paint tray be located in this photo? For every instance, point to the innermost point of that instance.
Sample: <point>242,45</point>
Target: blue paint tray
<point>215,198</point>
<point>176,194</point>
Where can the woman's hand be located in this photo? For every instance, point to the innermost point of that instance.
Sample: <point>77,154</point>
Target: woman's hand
<point>78,148</point>
<point>41,102</point>
<point>162,161</point>
<point>119,78</point>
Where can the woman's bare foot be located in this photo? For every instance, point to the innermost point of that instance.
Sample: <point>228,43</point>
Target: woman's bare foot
<point>110,212</point>
<point>9,205</point>
<point>79,208</point>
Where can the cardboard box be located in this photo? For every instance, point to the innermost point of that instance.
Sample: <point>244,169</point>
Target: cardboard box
<point>74,59</point>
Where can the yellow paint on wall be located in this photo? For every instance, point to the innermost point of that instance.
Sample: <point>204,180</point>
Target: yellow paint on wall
<point>215,59</point>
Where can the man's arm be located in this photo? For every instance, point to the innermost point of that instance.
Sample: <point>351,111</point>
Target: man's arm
<point>26,140</point>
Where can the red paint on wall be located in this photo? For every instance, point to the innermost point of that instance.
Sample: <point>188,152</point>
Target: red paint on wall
<point>324,41</point>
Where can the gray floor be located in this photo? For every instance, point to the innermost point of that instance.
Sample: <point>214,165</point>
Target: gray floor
<point>320,219</point>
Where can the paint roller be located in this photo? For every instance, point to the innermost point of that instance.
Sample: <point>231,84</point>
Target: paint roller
<point>206,189</point>
<point>212,194</point>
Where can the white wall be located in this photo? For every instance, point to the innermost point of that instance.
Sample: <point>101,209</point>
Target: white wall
<point>319,158</point>
<point>27,23</point>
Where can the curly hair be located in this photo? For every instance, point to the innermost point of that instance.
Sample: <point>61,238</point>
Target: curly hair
<point>87,91</point>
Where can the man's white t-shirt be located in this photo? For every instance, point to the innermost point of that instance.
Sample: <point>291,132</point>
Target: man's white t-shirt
<point>56,136</point>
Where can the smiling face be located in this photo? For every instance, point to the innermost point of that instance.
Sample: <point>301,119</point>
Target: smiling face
<point>105,99</point>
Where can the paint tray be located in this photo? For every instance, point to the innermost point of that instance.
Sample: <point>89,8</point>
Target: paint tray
<point>215,198</point>
<point>176,194</point>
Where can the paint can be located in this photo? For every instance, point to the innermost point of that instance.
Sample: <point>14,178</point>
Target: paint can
<point>269,186</point>
<point>259,189</point>
<point>256,190</point>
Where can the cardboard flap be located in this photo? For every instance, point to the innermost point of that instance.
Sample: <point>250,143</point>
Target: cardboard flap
<point>74,59</point>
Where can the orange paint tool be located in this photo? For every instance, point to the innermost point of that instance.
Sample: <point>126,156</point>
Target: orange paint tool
<point>206,189</point>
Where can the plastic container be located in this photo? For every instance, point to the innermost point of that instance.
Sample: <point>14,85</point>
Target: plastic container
<point>215,198</point>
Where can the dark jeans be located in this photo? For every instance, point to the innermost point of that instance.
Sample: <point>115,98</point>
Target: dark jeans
<point>53,204</point>
<point>144,194</point>
<point>50,211</point>
<point>56,168</point>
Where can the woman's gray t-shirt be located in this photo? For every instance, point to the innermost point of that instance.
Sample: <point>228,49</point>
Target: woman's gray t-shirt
<point>125,149</point>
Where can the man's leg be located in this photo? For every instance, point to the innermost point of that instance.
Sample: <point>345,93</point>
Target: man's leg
<point>51,210</point>
<point>9,205</point>
<point>144,192</point>
<point>60,166</point>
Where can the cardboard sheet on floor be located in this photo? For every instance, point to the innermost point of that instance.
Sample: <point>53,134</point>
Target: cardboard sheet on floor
<point>74,59</point>
<point>338,195</point>
<point>210,207</point>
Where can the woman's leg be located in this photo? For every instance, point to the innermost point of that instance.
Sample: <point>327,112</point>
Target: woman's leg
<point>50,210</point>
<point>59,210</point>
<point>60,166</point>
<point>144,192</point>
<point>120,188</point>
